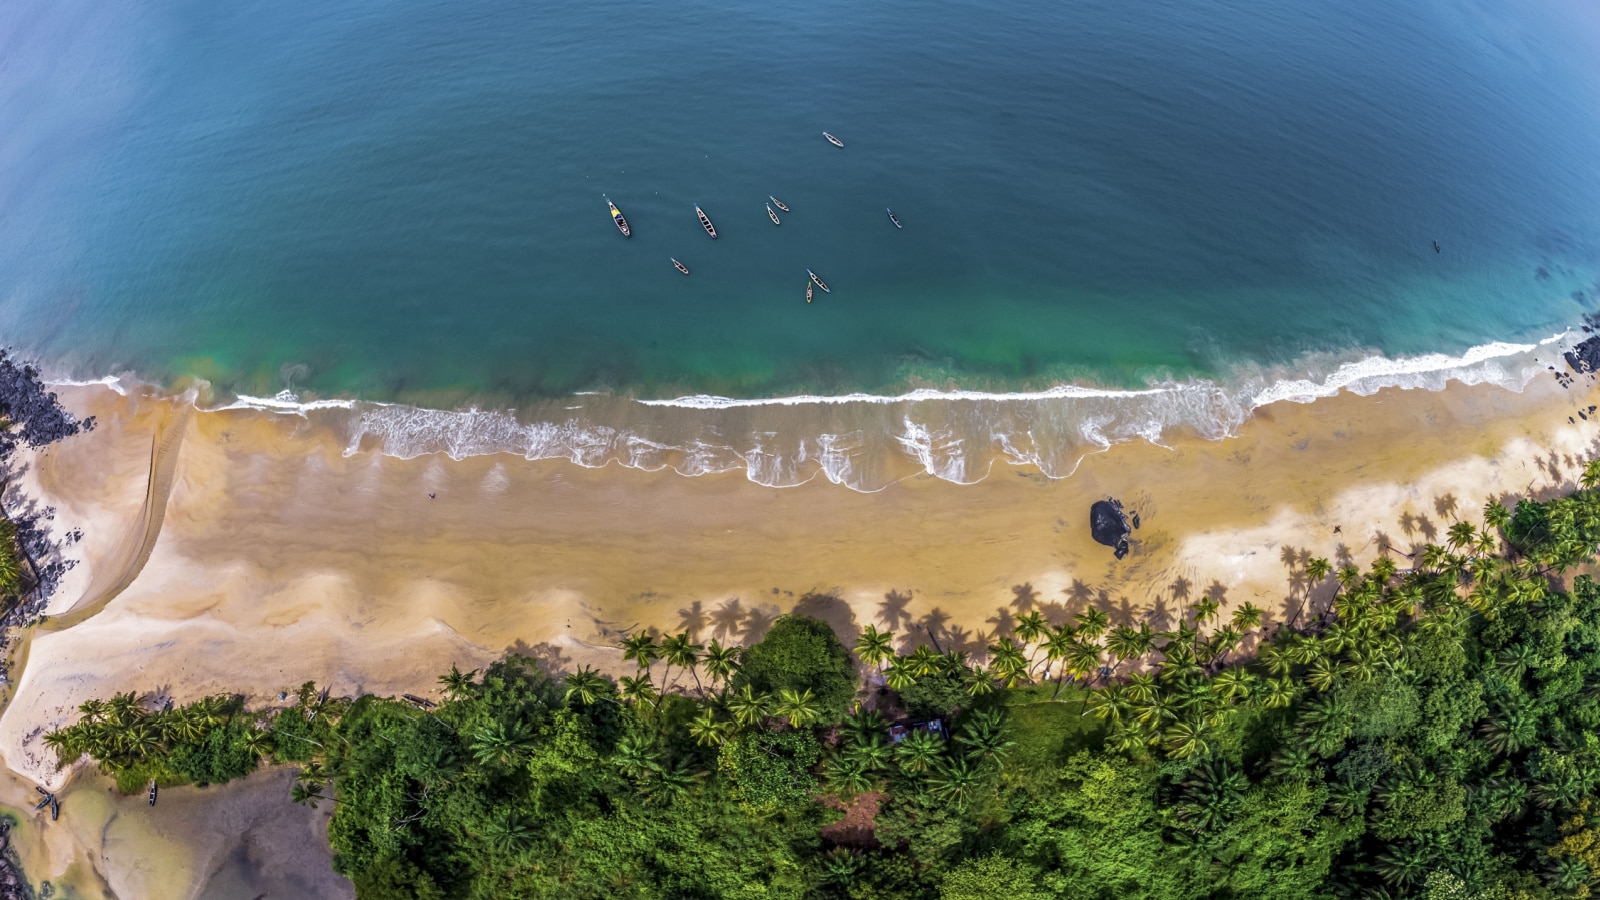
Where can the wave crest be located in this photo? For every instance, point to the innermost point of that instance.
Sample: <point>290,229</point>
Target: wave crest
<point>867,441</point>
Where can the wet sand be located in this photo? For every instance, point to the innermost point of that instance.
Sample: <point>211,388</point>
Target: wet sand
<point>240,551</point>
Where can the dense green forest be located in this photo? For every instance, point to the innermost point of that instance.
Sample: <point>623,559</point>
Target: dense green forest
<point>1425,731</point>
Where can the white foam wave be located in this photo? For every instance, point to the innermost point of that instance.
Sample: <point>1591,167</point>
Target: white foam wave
<point>867,441</point>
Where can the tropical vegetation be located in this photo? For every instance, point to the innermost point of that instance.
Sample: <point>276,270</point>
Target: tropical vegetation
<point>1426,728</point>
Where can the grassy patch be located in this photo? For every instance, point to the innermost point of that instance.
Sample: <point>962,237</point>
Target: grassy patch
<point>1047,732</point>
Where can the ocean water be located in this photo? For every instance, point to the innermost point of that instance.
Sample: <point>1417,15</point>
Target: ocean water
<point>1122,217</point>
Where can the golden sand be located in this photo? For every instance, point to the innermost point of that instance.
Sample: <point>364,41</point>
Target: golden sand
<point>241,551</point>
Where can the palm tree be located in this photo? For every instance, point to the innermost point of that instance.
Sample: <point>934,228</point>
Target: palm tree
<point>955,780</point>
<point>1141,687</point>
<point>586,685</point>
<point>680,651</point>
<point>1030,627</point>
<point>1092,624</point>
<point>873,647</point>
<point>1234,683</point>
<point>1322,674</point>
<point>1460,535</point>
<point>1318,569</point>
<point>637,756</point>
<point>747,707</point>
<point>899,676</point>
<point>1247,617</point>
<point>1056,645</point>
<point>641,648</point>
<point>918,752</point>
<point>1277,693</point>
<point>863,727</point>
<point>1007,662</point>
<point>1109,703</point>
<point>122,709</point>
<point>257,742</point>
<point>1403,866</point>
<point>847,775</point>
<point>93,711</point>
<point>638,688</point>
<point>508,833</point>
<point>924,662</point>
<point>1591,475</point>
<point>457,684</point>
<point>306,793</point>
<point>873,755</point>
<point>983,734</point>
<point>1273,658</point>
<point>500,745</point>
<point>1187,739</point>
<point>707,730</point>
<point>720,661</point>
<point>799,708</point>
<point>1495,515</point>
<point>978,681</point>
<point>1383,569</point>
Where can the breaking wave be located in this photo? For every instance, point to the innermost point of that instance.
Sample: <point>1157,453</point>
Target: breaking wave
<point>867,441</point>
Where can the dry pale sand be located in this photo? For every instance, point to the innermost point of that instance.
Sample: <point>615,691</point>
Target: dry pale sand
<point>240,551</point>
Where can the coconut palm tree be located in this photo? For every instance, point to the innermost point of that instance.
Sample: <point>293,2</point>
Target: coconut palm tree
<point>847,776</point>
<point>874,647</point>
<point>1591,475</point>
<point>257,742</point>
<point>874,755</point>
<point>978,681</point>
<point>508,833</point>
<point>1247,617</point>
<point>1495,515</point>
<point>306,793</point>
<point>863,726</point>
<point>638,689</point>
<point>1277,693</point>
<point>1460,535</point>
<point>1187,739</point>
<point>1007,662</point>
<point>458,685</point>
<point>955,780</point>
<point>1110,703</point>
<point>1141,687</point>
<point>924,662</point>
<point>899,676</point>
<point>983,735</point>
<point>499,745</point>
<point>1233,683</point>
<point>1031,627</point>
<point>1056,645</point>
<point>680,651</point>
<point>720,662</point>
<point>637,756</point>
<point>918,752</point>
<point>1092,624</point>
<point>747,707</point>
<point>641,648</point>
<point>707,730</point>
<point>93,711</point>
<point>586,685</point>
<point>1317,569</point>
<point>799,708</point>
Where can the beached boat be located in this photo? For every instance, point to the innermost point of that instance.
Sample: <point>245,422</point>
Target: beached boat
<point>833,140</point>
<point>680,266</point>
<point>814,277</point>
<point>43,803</point>
<point>808,292</point>
<point>893,219</point>
<point>55,808</point>
<point>778,203</point>
<point>152,792</point>
<point>772,215</point>
<point>705,222</point>
<point>616,216</point>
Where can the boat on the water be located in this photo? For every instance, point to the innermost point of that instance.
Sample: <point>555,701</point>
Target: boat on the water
<point>778,203</point>
<point>892,218</point>
<point>808,292</point>
<point>705,222</point>
<point>680,266</point>
<point>833,140</point>
<point>772,215</point>
<point>814,277</point>
<point>616,216</point>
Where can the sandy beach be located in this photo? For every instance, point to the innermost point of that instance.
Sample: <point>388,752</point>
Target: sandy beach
<point>242,551</point>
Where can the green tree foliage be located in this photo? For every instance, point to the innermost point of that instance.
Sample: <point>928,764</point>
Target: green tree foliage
<point>800,653</point>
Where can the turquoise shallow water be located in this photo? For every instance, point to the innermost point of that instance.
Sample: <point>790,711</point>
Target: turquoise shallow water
<point>403,200</point>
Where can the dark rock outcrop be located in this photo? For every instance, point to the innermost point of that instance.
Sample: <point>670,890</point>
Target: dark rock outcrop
<point>1585,358</point>
<point>1109,525</point>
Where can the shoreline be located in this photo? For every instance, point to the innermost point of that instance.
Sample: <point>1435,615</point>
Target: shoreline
<point>245,552</point>
<point>864,441</point>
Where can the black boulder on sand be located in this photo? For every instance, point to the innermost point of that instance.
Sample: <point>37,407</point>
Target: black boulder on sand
<point>1109,525</point>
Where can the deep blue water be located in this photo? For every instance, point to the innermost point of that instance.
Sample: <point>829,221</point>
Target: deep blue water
<point>400,199</point>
